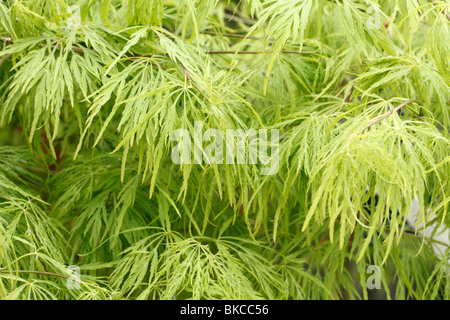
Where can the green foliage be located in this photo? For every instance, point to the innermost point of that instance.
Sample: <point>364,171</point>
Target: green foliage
<point>92,91</point>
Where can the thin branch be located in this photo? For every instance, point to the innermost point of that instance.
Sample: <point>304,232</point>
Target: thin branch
<point>40,272</point>
<point>228,52</point>
<point>137,59</point>
<point>443,11</point>
<point>7,197</point>
<point>235,35</point>
<point>186,73</point>
<point>49,274</point>
<point>77,49</point>
<point>238,18</point>
<point>390,112</point>
<point>257,52</point>
<point>432,240</point>
<point>7,39</point>
<point>6,57</point>
<point>150,55</point>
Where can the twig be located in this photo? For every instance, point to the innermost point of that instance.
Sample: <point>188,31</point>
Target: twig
<point>5,57</point>
<point>50,274</point>
<point>210,52</point>
<point>235,35</point>
<point>432,240</point>
<point>76,49</point>
<point>443,11</point>
<point>136,58</point>
<point>7,39</point>
<point>186,73</point>
<point>388,114</point>
<point>39,272</point>
<point>7,197</point>
<point>227,52</point>
<point>256,52</point>
<point>235,17</point>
